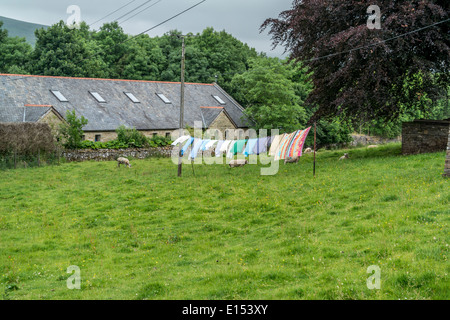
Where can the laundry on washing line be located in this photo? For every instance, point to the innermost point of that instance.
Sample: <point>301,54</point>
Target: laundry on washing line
<point>279,146</point>
<point>180,140</point>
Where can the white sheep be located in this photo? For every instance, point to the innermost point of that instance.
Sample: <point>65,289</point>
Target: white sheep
<point>238,163</point>
<point>372,146</point>
<point>291,160</point>
<point>308,150</point>
<point>124,161</point>
<point>345,156</point>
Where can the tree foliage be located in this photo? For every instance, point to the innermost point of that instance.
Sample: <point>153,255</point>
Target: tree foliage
<point>72,131</point>
<point>14,53</point>
<point>368,82</point>
<point>272,98</point>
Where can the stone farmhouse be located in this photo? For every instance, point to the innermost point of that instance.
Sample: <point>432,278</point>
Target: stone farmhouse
<point>151,107</point>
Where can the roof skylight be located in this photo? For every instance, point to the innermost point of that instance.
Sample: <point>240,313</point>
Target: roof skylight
<point>163,98</point>
<point>97,97</point>
<point>132,97</point>
<point>219,100</point>
<point>59,96</point>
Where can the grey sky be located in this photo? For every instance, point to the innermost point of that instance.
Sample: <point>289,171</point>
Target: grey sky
<point>241,18</point>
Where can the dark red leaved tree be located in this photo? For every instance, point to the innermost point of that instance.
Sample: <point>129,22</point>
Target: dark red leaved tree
<point>367,79</point>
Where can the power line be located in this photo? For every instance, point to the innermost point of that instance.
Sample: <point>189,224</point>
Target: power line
<point>112,13</point>
<point>167,20</point>
<point>154,4</point>
<point>140,6</point>
<point>159,24</point>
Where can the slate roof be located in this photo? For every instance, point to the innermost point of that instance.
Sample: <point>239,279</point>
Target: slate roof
<point>16,114</point>
<point>209,114</point>
<point>150,114</point>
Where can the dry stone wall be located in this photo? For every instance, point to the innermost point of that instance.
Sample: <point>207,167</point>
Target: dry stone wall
<point>424,136</point>
<point>447,159</point>
<point>113,154</point>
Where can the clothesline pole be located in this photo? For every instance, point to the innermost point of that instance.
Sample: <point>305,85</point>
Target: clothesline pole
<point>314,167</point>
<point>180,162</point>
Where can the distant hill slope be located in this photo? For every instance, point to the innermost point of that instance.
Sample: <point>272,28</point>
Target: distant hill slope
<point>17,28</point>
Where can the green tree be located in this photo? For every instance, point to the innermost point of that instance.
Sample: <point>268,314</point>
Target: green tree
<point>61,51</point>
<point>270,95</point>
<point>14,53</point>
<point>72,131</point>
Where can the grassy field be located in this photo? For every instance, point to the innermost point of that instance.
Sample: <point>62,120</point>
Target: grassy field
<point>144,233</point>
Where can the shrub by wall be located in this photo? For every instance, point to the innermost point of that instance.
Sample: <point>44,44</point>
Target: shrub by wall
<point>26,138</point>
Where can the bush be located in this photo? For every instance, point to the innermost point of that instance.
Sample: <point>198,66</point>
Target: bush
<point>26,138</point>
<point>131,137</point>
<point>329,133</point>
<point>159,141</point>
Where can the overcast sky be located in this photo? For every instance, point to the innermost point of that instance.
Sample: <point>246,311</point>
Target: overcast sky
<point>241,18</point>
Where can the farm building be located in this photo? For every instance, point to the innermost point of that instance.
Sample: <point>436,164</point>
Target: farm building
<point>149,106</point>
<point>424,136</point>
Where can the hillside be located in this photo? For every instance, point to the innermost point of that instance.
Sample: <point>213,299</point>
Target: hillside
<point>17,28</point>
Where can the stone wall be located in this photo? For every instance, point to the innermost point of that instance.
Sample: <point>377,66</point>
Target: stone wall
<point>424,136</point>
<point>113,154</point>
<point>361,139</point>
<point>447,159</point>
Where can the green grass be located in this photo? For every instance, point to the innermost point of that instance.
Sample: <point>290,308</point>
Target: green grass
<point>144,233</point>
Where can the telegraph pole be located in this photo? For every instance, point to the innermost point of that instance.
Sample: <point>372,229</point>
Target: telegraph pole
<point>180,157</point>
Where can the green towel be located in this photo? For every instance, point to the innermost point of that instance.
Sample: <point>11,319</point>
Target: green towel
<point>239,146</point>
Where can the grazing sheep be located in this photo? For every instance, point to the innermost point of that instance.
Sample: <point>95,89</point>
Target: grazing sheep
<point>124,161</point>
<point>291,160</point>
<point>345,156</point>
<point>238,163</point>
<point>308,150</point>
<point>372,146</point>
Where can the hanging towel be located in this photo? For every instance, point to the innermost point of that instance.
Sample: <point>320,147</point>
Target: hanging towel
<point>231,149</point>
<point>203,146</point>
<point>275,144</point>
<point>225,145</point>
<point>261,145</point>
<point>186,146</point>
<point>218,147</point>
<point>250,146</point>
<point>299,142</point>
<point>284,146</point>
<point>238,146</point>
<point>210,144</point>
<point>180,140</point>
<point>197,144</point>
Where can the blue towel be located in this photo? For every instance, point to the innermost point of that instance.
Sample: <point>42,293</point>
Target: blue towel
<point>250,146</point>
<point>197,144</point>
<point>203,146</point>
<point>186,146</point>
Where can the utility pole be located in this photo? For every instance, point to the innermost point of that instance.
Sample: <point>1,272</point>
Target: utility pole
<point>314,165</point>
<point>180,157</point>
